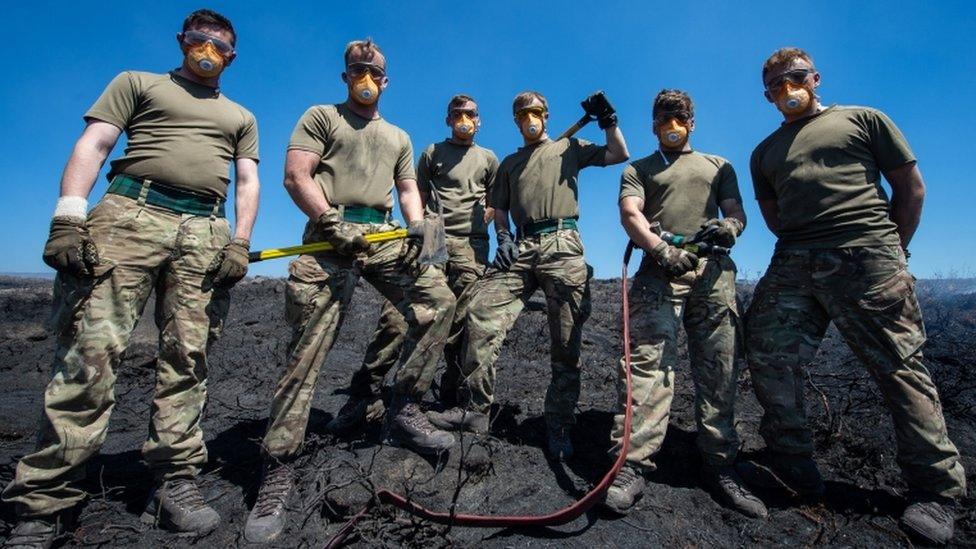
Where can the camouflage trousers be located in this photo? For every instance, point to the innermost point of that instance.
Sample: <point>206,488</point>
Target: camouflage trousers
<point>318,294</point>
<point>704,301</point>
<point>553,262</point>
<point>142,248</point>
<point>870,295</point>
<point>466,263</point>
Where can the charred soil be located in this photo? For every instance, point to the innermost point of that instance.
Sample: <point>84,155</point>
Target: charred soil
<point>505,473</point>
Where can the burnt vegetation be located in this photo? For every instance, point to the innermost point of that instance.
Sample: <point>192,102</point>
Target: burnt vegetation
<point>505,473</point>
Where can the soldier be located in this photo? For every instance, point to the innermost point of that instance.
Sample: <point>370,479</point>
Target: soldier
<point>538,185</point>
<point>459,173</point>
<point>161,227</point>
<point>683,190</point>
<point>342,164</point>
<point>841,257</point>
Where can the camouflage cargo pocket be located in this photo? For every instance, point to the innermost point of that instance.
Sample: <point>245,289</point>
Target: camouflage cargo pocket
<point>307,278</point>
<point>892,307</point>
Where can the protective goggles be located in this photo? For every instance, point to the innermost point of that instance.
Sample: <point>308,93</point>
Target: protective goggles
<point>796,76</point>
<point>355,70</point>
<point>195,38</point>
<point>525,111</point>
<point>470,113</point>
<point>680,116</point>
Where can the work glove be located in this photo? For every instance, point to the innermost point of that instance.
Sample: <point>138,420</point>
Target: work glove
<point>507,253</point>
<point>345,238</point>
<point>69,248</point>
<point>230,264</point>
<point>412,246</point>
<point>721,232</point>
<point>675,261</point>
<point>598,108</point>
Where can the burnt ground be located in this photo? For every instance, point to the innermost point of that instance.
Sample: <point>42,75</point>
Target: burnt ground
<point>854,437</point>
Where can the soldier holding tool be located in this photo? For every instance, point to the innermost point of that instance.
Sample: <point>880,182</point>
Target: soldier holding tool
<point>454,175</point>
<point>537,185</point>
<point>343,162</point>
<point>841,257</point>
<point>682,190</point>
<point>161,227</point>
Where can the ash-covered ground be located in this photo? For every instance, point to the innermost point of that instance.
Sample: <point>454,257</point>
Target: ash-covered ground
<point>855,443</point>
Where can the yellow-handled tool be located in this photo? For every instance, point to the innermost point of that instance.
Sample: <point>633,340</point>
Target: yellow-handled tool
<point>315,247</point>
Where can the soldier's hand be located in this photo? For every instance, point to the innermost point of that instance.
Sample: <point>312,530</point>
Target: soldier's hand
<point>412,246</point>
<point>230,264</point>
<point>598,108</point>
<point>507,252</point>
<point>673,260</point>
<point>721,232</point>
<point>346,239</point>
<point>69,248</point>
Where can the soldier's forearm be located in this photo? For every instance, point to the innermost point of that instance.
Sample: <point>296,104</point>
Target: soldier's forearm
<point>501,220</point>
<point>638,229</point>
<point>87,157</point>
<point>246,193</point>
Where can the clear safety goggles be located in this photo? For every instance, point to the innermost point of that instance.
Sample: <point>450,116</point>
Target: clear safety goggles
<point>195,38</point>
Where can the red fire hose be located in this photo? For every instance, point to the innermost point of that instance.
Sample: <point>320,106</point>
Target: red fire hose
<point>556,518</point>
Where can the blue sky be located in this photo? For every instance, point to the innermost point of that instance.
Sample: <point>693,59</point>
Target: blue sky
<point>911,60</point>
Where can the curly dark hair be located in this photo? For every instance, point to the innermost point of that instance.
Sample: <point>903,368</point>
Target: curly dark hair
<point>672,101</point>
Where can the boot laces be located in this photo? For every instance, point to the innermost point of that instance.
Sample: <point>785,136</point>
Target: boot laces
<point>274,490</point>
<point>185,493</point>
<point>413,418</point>
<point>625,478</point>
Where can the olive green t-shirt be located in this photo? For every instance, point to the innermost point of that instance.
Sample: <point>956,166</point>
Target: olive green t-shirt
<point>824,172</point>
<point>360,159</point>
<point>180,133</point>
<point>538,182</point>
<point>682,193</point>
<point>460,175</point>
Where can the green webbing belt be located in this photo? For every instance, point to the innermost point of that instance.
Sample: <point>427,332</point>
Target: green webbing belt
<point>363,214</point>
<point>548,226</point>
<point>170,198</point>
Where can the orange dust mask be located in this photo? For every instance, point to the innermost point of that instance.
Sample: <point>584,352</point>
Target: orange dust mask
<point>363,90</point>
<point>464,127</point>
<point>793,98</point>
<point>672,134</point>
<point>532,125</point>
<point>204,60</point>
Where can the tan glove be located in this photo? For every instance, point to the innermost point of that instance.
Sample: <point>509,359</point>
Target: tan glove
<point>230,264</point>
<point>721,232</point>
<point>69,248</point>
<point>346,239</point>
<point>674,261</point>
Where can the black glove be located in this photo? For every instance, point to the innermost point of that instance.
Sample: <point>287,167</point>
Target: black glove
<point>675,261</point>
<point>412,246</point>
<point>721,232</point>
<point>598,107</point>
<point>230,264</point>
<point>69,248</point>
<point>345,238</point>
<point>507,253</point>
